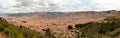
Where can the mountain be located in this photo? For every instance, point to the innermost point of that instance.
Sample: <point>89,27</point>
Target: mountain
<point>57,22</point>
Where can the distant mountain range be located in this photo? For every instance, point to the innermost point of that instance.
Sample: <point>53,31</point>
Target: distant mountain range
<point>60,13</point>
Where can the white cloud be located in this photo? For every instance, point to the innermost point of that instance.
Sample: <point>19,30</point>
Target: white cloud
<point>107,4</point>
<point>57,5</point>
<point>36,5</point>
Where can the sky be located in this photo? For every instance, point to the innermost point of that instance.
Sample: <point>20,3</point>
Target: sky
<point>16,6</point>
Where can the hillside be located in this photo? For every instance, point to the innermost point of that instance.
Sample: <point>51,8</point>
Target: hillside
<point>8,30</point>
<point>57,22</point>
<point>108,28</point>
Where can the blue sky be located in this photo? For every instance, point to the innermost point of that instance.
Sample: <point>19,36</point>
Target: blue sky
<point>57,5</point>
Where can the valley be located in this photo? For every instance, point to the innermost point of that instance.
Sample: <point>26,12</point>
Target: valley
<point>57,22</point>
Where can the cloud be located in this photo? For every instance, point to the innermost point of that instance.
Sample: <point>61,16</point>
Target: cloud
<point>107,4</point>
<point>15,6</point>
<point>36,5</point>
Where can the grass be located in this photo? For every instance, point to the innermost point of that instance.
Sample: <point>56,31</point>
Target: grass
<point>109,28</point>
<point>19,32</point>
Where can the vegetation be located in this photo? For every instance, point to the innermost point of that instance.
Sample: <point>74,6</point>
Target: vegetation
<point>19,32</point>
<point>48,33</point>
<point>24,21</point>
<point>108,28</point>
<point>70,27</point>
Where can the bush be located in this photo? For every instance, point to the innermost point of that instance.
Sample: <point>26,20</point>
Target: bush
<point>111,24</point>
<point>48,33</point>
<point>70,27</point>
<point>79,25</point>
<point>114,33</point>
<point>24,21</point>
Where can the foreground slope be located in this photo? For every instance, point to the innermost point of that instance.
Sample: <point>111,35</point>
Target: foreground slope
<point>108,28</point>
<point>12,31</point>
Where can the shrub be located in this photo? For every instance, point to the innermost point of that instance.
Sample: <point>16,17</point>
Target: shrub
<point>79,25</point>
<point>24,21</point>
<point>114,33</point>
<point>48,33</point>
<point>70,27</point>
<point>111,24</point>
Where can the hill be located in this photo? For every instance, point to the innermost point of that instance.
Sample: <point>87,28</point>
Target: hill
<point>108,28</point>
<point>57,22</point>
<point>12,31</point>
